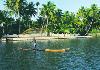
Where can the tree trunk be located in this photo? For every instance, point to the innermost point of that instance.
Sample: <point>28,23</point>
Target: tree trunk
<point>48,33</point>
<point>19,28</point>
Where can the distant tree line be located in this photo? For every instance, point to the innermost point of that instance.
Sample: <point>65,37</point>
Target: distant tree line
<point>17,17</point>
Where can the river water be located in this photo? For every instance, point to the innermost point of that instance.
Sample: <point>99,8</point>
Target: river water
<point>84,54</point>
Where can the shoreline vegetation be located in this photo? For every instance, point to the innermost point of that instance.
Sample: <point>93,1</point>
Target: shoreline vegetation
<point>16,23</point>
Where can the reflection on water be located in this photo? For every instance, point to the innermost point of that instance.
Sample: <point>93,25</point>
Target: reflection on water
<point>84,54</point>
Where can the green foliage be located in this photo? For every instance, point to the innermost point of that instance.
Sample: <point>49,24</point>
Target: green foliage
<point>23,12</point>
<point>47,12</point>
<point>51,19</point>
<point>95,31</point>
<point>82,23</point>
<point>88,18</point>
<point>28,31</point>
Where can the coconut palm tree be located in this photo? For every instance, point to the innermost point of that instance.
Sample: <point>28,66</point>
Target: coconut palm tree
<point>22,9</point>
<point>37,4</point>
<point>47,11</point>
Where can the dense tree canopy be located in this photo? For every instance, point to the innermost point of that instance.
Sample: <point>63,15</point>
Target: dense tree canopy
<point>19,13</point>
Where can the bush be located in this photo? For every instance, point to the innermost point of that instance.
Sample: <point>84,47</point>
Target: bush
<point>28,31</point>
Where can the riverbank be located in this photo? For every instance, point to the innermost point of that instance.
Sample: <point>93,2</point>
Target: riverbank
<point>22,37</point>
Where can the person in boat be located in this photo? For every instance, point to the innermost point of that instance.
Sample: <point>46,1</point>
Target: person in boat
<point>34,44</point>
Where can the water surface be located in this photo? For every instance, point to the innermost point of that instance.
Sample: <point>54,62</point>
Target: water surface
<point>84,54</point>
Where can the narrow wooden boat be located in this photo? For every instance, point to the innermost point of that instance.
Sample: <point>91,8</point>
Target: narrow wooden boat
<point>52,50</point>
<point>56,50</point>
<point>47,50</point>
<point>25,49</point>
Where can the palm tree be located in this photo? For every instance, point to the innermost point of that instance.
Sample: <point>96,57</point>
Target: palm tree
<point>14,6</point>
<point>47,12</point>
<point>22,9</point>
<point>57,19</point>
<point>37,4</point>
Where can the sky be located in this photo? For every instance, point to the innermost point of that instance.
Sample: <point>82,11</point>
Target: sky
<point>70,5</point>
<point>65,5</point>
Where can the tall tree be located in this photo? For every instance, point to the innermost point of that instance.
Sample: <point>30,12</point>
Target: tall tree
<point>37,4</point>
<point>82,20</point>
<point>47,12</point>
<point>87,19</point>
<point>22,9</point>
<point>58,20</point>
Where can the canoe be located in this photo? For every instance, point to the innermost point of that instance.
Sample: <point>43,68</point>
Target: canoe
<point>56,50</point>
<point>52,50</point>
<point>47,50</point>
<point>25,49</point>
